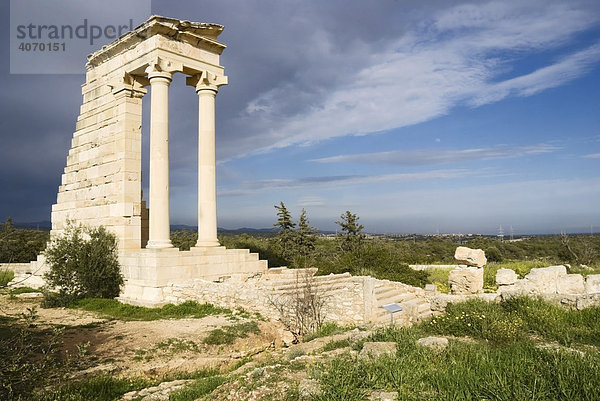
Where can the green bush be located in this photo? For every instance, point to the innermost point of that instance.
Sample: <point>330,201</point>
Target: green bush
<point>18,245</point>
<point>6,276</point>
<point>83,264</point>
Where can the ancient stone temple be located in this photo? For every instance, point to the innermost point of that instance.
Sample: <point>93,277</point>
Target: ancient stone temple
<point>102,181</point>
<point>102,185</point>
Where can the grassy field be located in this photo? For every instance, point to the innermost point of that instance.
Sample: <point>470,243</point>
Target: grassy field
<point>518,349</point>
<point>522,349</point>
<point>111,308</point>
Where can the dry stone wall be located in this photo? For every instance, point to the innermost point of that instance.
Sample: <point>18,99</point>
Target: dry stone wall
<point>348,299</point>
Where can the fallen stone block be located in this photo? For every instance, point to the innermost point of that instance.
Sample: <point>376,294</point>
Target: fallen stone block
<point>571,284</point>
<point>466,281</point>
<point>377,349</point>
<point>592,284</point>
<point>470,257</point>
<point>544,280</point>
<point>436,343</point>
<point>506,277</point>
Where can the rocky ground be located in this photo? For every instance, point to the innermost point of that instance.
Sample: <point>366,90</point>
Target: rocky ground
<point>260,366</point>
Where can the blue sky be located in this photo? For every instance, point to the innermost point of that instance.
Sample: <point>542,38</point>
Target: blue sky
<point>418,116</point>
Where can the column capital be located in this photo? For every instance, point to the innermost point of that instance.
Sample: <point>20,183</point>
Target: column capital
<point>206,80</point>
<point>127,85</point>
<point>162,68</point>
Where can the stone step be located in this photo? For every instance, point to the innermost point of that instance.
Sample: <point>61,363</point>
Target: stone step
<point>397,298</point>
<point>281,281</point>
<point>415,308</point>
<point>322,287</point>
<point>384,292</point>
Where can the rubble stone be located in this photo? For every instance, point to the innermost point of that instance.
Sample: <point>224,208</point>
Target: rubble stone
<point>470,257</point>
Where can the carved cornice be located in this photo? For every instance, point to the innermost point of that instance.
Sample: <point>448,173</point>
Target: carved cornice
<point>198,34</point>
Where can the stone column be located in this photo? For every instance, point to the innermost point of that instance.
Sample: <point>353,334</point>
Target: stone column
<point>159,226</point>
<point>207,85</point>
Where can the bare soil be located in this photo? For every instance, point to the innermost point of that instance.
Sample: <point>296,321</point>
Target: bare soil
<point>156,349</point>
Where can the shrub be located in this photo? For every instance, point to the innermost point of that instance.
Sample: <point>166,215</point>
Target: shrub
<point>228,334</point>
<point>83,264</point>
<point>6,277</point>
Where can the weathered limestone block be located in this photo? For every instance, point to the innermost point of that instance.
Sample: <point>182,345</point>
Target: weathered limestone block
<point>470,257</point>
<point>506,277</point>
<point>377,349</point>
<point>592,284</point>
<point>436,343</point>
<point>571,284</point>
<point>467,280</point>
<point>440,301</point>
<point>544,280</point>
<point>587,301</point>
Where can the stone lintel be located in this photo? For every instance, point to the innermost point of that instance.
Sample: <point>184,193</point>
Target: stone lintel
<point>200,35</point>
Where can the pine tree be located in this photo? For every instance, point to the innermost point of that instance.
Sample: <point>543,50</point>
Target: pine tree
<point>305,236</point>
<point>284,218</point>
<point>352,236</point>
<point>285,238</point>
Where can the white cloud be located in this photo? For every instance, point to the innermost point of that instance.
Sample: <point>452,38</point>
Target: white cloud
<point>311,201</point>
<point>454,57</point>
<point>592,156</point>
<point>333,181</point>
<point>552,76</point>
<point>422,157</point>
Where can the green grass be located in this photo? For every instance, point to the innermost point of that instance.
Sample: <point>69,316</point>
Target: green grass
<point>197,389</point>
<point>503,361</point>
<point>21,290</point>
<point>228,334</point>
<point>111,308</point>
<point>6,276</point>
<point>327,329</point>
<point>176,345</point>
<point>521,267</point>
<point>439,277</point>
<point>465,371</point>
<point>516,319</point>
<point>98,388</point>
<point>331,345</point>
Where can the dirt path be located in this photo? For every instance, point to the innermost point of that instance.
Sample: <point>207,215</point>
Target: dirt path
<point>139,348</point>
